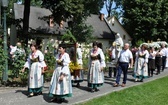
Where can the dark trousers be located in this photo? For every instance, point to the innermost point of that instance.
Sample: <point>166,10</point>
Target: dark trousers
<point>158,69</point>
<point>110,71</point>
<point>163,62</point>
<point>123,67</point>
<point>150,72</point>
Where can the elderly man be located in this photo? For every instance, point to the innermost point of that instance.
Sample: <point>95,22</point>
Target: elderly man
<point>123,63</point>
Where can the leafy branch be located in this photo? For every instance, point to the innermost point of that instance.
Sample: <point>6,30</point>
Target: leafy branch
<point>68,36</point>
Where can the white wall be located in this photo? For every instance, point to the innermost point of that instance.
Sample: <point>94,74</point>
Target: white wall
<point>116,27</point>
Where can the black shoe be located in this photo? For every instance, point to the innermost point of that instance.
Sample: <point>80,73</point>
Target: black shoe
<point>92,90</point>
<point>59,101</point>
<point>96,89</point>
<point>141,80</point>
<point>64,100</point>
<point>39,93</point>
<point>53,100</point>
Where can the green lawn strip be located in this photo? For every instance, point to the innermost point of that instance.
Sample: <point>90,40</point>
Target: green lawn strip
<point>151,93</point>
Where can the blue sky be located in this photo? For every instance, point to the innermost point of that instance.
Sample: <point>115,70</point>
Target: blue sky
<point>104,11</point>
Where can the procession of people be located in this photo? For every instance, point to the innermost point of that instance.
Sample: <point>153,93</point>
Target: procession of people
<point>145,61</point>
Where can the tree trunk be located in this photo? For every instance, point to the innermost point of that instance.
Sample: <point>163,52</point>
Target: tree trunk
<point>109,4</point>
<point>26,20</point>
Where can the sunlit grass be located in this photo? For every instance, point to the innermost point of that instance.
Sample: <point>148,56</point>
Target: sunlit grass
<point>151,93</point>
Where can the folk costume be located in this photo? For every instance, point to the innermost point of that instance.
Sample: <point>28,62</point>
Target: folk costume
<point>95,74</point>
<point>35,63</point>
<point>60,88</point>
<point>141,71</point>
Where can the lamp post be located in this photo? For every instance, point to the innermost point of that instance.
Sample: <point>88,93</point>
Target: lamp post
<point>5,71</point>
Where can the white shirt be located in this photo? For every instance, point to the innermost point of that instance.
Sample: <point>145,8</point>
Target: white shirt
<point>150,55</point>
<point>113,52</point>
<point>79,56</point>
<point>13,49</point>
<point>125,56</point>
<point>164,50</point>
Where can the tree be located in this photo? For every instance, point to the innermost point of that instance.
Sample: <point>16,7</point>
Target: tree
<point>145,19</point>
<point>77,11</point>
<point>26,19</point>
<point>27,4</point>
<point>113,10</point>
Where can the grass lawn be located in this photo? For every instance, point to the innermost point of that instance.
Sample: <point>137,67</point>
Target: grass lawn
<point>151,93</point>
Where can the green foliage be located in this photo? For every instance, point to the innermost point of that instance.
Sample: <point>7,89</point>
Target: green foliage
<point>68,36</point>
<point>139,42</point>
<point>77,11</point>
<point>107,57</point>
<point>68,8</point>
<point>18,61</point>
<point>50,61</point>
<point>82,32</point>
<point>85,59</point>
<point>146,19</point>
<point>49,57</point>
<point>36,3</point>
<point>10,18</point>
<point>3,57</point>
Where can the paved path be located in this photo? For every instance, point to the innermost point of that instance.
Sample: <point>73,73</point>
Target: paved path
<point>18,96</point>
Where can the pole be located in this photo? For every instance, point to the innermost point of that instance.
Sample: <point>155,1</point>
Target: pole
<point>0,11</point>
<point>5,72</point>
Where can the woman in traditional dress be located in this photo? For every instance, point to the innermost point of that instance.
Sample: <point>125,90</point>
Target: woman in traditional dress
<point>96,66</point>
<point>151,63</point>
<point>35,63</point>
<point>60,85</point>
<point>141,64</point>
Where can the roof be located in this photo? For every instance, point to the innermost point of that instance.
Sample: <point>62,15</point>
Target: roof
<point>39,23</point>
<point>38,20</point>
<point>101,28</point>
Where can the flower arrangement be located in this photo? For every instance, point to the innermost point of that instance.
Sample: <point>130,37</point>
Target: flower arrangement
<point>74,66</point>
<point>155,44</point>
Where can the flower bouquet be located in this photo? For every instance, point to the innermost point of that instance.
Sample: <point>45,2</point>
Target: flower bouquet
<point>74,66</point>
